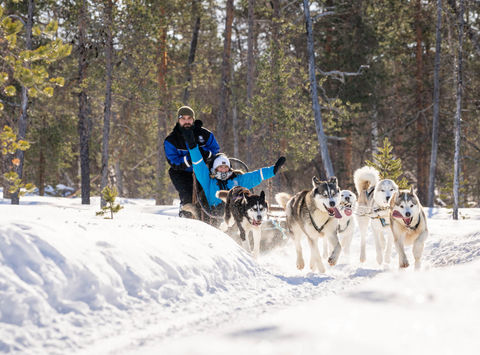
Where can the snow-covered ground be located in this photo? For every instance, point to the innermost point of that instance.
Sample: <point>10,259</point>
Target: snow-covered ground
<point>148,282</point>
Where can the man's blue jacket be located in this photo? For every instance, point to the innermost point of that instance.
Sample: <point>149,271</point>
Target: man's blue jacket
<point>211,185</point>
<point>176,150</point>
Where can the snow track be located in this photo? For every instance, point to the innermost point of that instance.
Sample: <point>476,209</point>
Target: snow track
<point>71,282</point>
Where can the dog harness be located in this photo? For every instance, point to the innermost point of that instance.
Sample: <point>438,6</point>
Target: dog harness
<point>319,229</point>
<point>344,229</point>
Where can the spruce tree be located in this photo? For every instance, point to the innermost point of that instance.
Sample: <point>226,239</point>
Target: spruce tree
<point>387,165</point>
<point>109,194</point>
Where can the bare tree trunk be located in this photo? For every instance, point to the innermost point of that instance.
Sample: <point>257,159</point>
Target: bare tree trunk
<point>225,83</point>
<point>236,152</point>
<point>250,70</point>
<point>471,32</point>
<point>42,161</point>
<point>458,114</point>
<point>108,95</point>
<point>322,139</point>
<point>193,49</point>
<point>23,120</point>
<point>83,123</point>
<point>421,129</point>
<point>375,131</point>
<point>162,113</point>
<point>436,103</point>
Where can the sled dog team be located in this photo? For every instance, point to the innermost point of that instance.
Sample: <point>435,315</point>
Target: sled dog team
<point>396,217</point>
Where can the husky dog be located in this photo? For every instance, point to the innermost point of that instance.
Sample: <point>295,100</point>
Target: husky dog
<point>373,204</point>
<point>345,226</point>
<point>314,213</point>
<point>248,211</point>
<point>409,225</point>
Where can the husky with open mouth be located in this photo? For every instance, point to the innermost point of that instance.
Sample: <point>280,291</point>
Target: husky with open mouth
<point>346,224</point>
<point>409,226</point>
<point>248,211</point>
<point>314,213</point>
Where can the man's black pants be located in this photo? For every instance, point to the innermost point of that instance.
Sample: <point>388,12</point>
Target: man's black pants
<point>183,182</point>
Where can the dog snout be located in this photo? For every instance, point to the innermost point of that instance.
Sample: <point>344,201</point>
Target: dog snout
<point>332,203</point>
<point>408,214</point>
<point>387,198</point>
<point>347,198</point>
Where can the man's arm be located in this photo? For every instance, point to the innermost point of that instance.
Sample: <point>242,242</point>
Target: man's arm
<point>212,144</point>
<point>176,160</point>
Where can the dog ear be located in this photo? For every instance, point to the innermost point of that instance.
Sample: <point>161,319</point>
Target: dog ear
<point>315,181</point>
<point>393,199</point>
<point>333,180</point>
<point>262,196</point>
<point>412,190</point>
<point>222,195</point>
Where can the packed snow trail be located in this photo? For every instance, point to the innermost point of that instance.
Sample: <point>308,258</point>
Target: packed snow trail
<point>72,282</point>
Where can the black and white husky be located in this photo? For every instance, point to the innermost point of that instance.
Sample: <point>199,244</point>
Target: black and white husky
<point>373,205</point>
<point>248,211</point>
<point>314,213</point>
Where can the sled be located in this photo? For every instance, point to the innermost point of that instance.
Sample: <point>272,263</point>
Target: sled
<point>273,231</point>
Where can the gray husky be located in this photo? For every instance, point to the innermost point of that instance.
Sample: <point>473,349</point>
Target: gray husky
<point>247,211</point>
<point>314,213</point>
<point>409,225</point>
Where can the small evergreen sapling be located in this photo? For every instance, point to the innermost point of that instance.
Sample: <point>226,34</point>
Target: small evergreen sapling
<point>387,165</point>
<point>109,194</point>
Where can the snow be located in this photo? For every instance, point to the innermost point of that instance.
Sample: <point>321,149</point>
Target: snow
<point>148,282</point>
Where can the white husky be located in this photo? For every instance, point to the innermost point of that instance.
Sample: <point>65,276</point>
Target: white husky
<point>374,204</point>
<point>346,225</point>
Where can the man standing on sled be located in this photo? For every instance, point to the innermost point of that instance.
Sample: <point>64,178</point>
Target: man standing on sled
<point>181,171</point>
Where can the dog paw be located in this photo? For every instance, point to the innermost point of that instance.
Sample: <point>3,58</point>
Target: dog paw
<point>418,264</point>
<point>332,261</point>
<point>363,258</point>
<point>300,264</point>
<point>379,259</point>
<point>223,227</point>
<point>404,264</point>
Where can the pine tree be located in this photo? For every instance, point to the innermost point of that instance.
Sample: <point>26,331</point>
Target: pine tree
<point>109,194</point>
<point>388,166</point>
<point>9,144</point>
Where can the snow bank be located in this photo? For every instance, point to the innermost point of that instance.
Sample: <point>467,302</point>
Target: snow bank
<point>64,261</point>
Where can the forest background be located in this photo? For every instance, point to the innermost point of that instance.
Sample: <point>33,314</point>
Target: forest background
<point>93,87</point>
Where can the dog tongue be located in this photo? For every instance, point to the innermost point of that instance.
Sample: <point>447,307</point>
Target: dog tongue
<point>348,211</point>
<point>337,213</point>
<point>397,214</point>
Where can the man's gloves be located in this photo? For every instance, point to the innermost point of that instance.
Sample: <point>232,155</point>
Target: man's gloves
<point>187,134</point>
<point>278,164</point>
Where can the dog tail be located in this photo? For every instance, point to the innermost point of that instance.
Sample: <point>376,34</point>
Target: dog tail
<point>282,198</point>
<point>222,195</point>
<point>365,177</point>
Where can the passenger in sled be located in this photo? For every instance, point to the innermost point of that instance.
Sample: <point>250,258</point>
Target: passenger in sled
<point>221,176</point>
